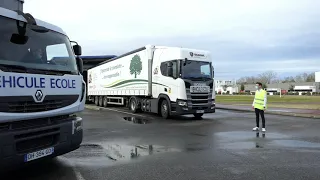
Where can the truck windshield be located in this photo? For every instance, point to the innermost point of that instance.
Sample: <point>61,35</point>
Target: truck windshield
<point>196,70</point>
<point>27,49</point>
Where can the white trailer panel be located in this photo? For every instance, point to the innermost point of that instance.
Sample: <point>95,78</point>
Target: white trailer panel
<point>127,75</point>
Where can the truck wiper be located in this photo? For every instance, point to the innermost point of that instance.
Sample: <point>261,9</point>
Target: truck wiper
<point>52,71</point>
<point>199,78</point>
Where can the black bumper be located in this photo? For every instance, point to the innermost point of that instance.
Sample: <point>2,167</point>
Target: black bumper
<point>15,144</point>
<point>181,110</point>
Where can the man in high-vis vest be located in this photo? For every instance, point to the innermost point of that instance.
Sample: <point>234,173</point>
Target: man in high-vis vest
<point>260,105</point>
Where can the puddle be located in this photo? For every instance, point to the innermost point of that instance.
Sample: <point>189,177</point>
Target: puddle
<point>246,135</point>
<point>87,151</point>
<point>247,145</point>
<point>127,152</point>
<point>137,120</point>
<point>238,145</point>
<point>242,140</point>
<point>239,140</point>
<point>295,143</point>
<point>109,153</point>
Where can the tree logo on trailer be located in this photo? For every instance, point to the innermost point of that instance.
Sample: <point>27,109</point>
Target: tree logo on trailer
<point>135,65</point>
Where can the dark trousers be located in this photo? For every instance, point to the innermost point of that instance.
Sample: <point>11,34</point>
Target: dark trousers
<point>258,113</point>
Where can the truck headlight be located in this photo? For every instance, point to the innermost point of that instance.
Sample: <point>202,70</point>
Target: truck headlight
<point>182,103</point>
<point>213,102</point>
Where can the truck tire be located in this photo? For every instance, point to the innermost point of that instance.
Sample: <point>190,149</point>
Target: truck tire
<point>96,100</point>
<point>164,109</point>
<point>105,101</point>
<point>100,101</point>
<point>198,116</point>
<point>133,105</point>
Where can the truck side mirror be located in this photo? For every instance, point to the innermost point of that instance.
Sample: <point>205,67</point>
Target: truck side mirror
<point>212,72</point>
<point>79,64</point>
<point>170,69</point>
<point>77,50</point>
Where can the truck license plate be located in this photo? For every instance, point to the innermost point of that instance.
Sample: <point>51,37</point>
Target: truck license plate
<point>199,89</point>
<point>38,154</point>
<point>200,111</point>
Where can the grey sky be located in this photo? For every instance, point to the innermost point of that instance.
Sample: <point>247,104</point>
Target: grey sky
<point>245,37</point>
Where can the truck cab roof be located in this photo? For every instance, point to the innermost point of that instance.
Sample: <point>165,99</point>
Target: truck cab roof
<point>14,15</point>
<point>183,53</point>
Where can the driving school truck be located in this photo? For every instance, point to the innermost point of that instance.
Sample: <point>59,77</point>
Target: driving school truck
<point>164,80</point>
<point>41,89</point>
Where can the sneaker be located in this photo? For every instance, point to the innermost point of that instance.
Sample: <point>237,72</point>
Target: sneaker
<point>263,129</point>
<point>255,129</point>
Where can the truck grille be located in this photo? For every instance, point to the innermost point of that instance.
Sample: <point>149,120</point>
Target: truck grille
<point>36,140</point>
<point>38,143</point>
<point>26,104</point>
<point>33,123</point>
<point>29,106</point>
<point>200,101</point>
<point>35,134</point>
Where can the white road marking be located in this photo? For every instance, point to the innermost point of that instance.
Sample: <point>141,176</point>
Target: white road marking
<point>78,174</point>
<point>75,170</point>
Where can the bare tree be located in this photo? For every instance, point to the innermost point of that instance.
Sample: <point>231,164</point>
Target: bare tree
<point>277,81</point>
<point>247,80</point>
<point>311,77</point>
<point>251,80</point>
<point>299,78</point>
<point>267,77</point>
<point>271,77</point>
<point>242,80</point>
<point>304,77</point>
<point>288,79</point>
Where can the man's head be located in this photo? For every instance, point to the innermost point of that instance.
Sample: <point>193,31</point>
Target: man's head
<point>37,53</point>
<point>258,85</point>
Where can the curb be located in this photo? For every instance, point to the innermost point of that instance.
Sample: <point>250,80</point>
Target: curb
<point>273,113</point>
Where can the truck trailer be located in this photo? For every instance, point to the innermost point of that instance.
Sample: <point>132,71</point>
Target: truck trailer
<point>41,89</point>
<point>158,79</point>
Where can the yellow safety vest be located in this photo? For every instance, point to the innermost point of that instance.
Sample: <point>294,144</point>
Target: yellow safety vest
<point>259,99</point>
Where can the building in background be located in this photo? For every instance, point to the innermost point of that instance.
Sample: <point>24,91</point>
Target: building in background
<point>317,76</point>
<point>226,86</point>
<point>284,88</point>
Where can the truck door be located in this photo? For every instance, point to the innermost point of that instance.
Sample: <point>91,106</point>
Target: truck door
<point>169,86</point>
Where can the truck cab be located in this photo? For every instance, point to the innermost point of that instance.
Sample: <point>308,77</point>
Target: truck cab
<point>41,90</point>
<point>185,76</point>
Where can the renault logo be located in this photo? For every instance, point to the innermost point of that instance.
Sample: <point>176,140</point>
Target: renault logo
<point>38,95</point>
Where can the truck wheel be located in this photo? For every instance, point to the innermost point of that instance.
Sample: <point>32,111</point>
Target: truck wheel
<point>105,101</point>
<point>165,112</point>
<point>96,100</point>
<point>100,101</point>
<point>133,105</point>
<point>198,116</point>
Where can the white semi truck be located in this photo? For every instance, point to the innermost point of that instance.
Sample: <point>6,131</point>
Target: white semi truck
<point>164,80</point>
<point>41,89</point>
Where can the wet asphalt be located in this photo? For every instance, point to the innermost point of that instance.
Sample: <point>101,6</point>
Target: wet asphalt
<point>220,146</point>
